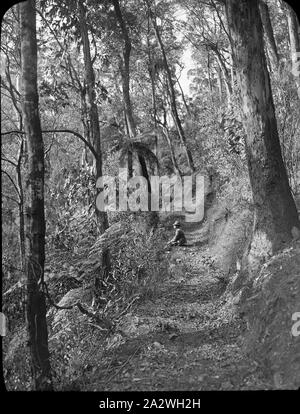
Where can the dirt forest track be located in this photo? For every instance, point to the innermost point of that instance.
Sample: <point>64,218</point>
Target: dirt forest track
<point>186,338</point>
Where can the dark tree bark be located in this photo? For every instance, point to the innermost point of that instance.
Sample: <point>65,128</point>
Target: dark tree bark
<point>269,34</point>
<point>125,70</point>
<point>172,93</point>
<point>34,212</point>
<point>275,210</point>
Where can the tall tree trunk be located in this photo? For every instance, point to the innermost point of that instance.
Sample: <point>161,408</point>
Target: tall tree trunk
<point>129,118</point>
<point>35,215</point>
<point>125,70</point>
<point>219,79</point>
<point>209,72</point>
<point>275,210</point>
<point>96,141</point>
<point>172,93</point>
<point>154,113</point>
<point>21,206</point>
<point>269,34</point>
<point>152,79</point>
<point>172,152</point>
<point>92,108</point>
<point>183,99</point>
<point>294,35</point>
<point>86,126</point>
<point>166,133</point>
<point>225,73</point>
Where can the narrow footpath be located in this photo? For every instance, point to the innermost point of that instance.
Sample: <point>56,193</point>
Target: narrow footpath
<point>187,338</point>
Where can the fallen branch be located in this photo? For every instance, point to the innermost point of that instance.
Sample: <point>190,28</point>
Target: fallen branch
<point>107,323</point>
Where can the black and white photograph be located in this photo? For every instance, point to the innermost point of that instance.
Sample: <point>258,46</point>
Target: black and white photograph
<point>150,187</point>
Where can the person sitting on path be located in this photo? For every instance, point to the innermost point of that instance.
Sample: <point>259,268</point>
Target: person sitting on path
<point>179,238</point>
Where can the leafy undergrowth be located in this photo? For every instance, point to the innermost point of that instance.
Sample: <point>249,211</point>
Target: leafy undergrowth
<point>186,337</point>
<point>78,335</point>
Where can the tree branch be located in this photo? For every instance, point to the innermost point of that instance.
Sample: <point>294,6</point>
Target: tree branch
<point>68,131</point>
<point>11,198</point>
<point>7,160</point>
<point>12,181</point>
<point>107,323</point>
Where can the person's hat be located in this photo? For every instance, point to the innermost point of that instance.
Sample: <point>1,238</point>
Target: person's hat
<point>176,224</point>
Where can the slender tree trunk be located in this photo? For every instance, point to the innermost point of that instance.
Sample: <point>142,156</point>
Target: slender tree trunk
<point>92,108</point>
<point>219,78</point>
<point>170,144</point>
<point>129,118</point>
<point>154,115</point>
<point>35,215</point>
<point>126,97</point>
<point>86,127</point>
<point>172,94</point>
<point>125,70</point>
<point>183,98</point>
<point>226,75</point>
<point>152,80</point>
<point>19,177</point>
<point>209,73</point>
<point>172,152</point>
<point>96,141</point>
<point>21,207</point>
<point>294,35</point>
<point>269,34</point>
<point>275,210</point>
